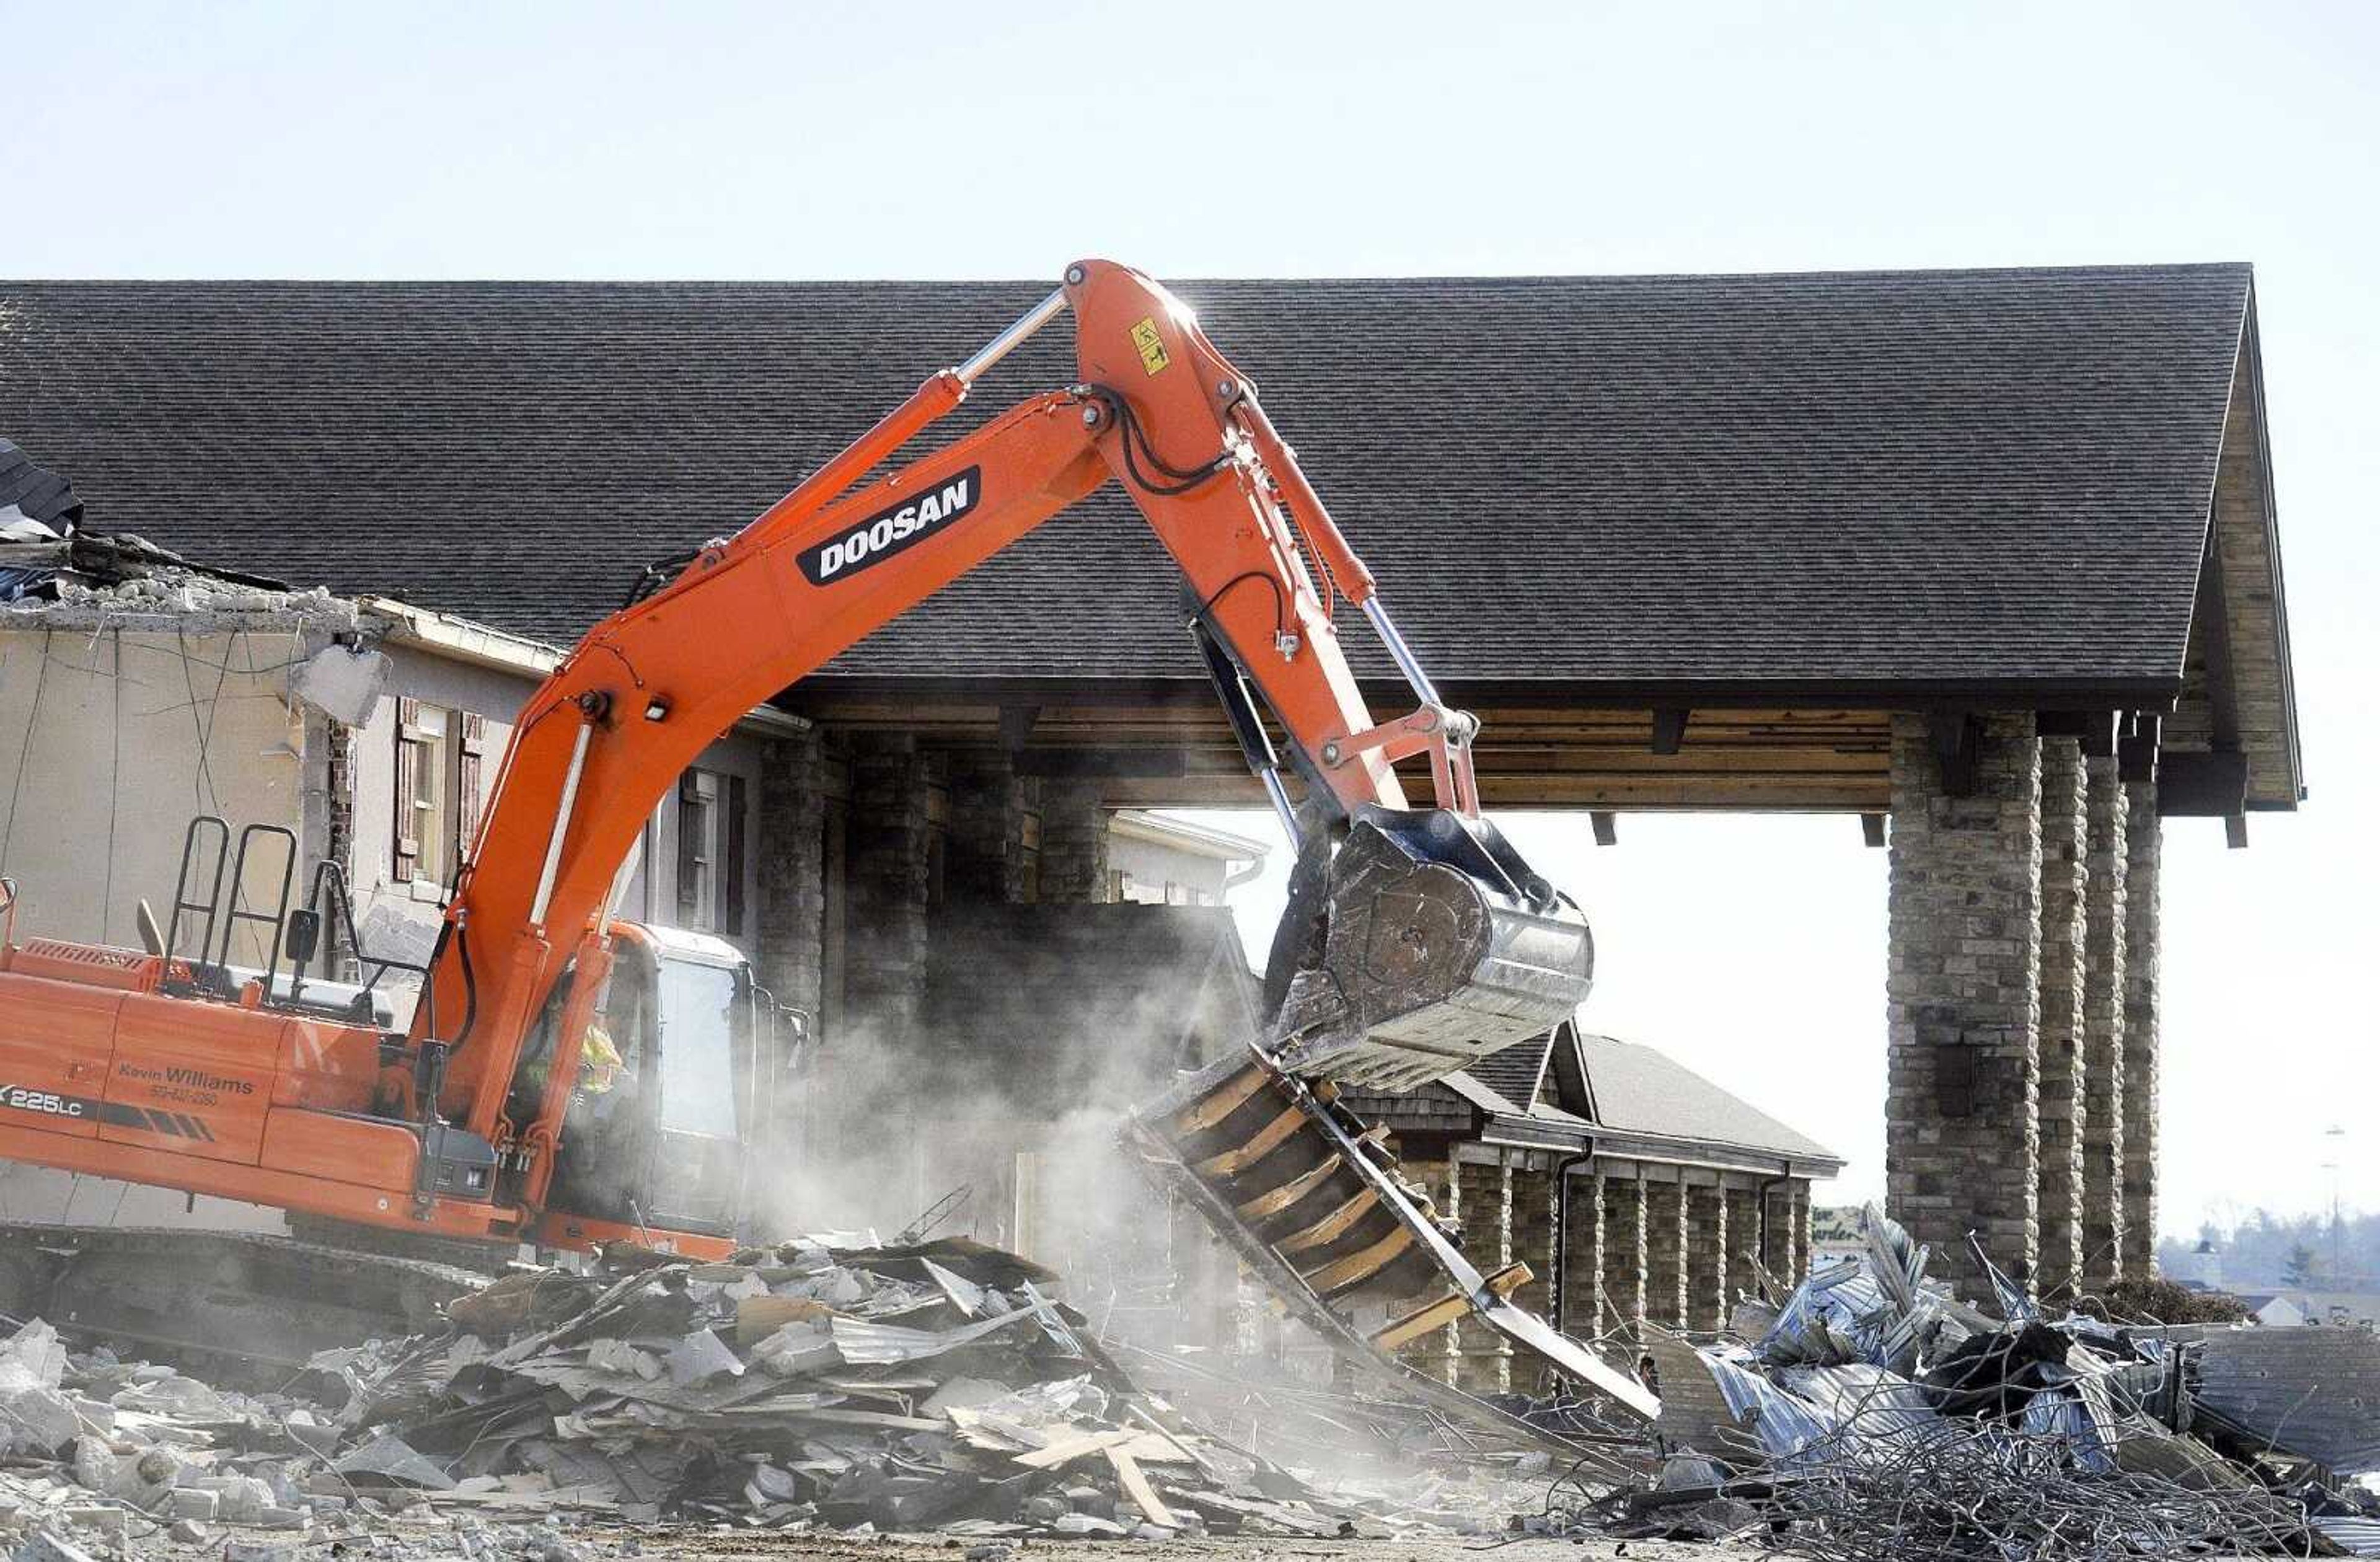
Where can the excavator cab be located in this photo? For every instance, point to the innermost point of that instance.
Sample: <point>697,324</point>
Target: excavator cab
<point>676,1102</point>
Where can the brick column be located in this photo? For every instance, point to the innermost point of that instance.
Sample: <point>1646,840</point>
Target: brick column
<point>1074,842</point>
<point>1963,1136</point>
<point>1485,1191</point>
<point>1665,1254</point>
<point>1533,1237</point>
<point>2064,847</point>
<point>2144,845</point>
<point>1775,1240</point>
<point>2105,896</point>
<point>1438,1352</point>
<point>1624,1225</point>
<point>1743,1235</point>
<point>891,869</point>
<point>1584,1314</point>
<point>985,859</point>
<point>1706,1257</point>
<point>789,902</point>
<point>1800,1231</point>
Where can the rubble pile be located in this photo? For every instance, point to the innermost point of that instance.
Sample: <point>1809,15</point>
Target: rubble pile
<point>807,1387</point>
<point>1874,1414</point>
<point>99,1455</point>
<point>78,571</point>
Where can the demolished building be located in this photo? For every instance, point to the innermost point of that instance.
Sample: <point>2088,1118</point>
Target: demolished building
<point>1958,593</point>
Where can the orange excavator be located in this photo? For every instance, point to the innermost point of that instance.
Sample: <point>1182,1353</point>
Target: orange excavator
<point>1416,942</point>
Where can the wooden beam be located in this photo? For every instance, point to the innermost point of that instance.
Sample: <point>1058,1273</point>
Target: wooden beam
<point>1606,824</point>
<point>1957,738</point>
<point>2095,729</point>
<point>1016,724</point>
<point>1872,829</point>
<point>2136,756</point>
<point>2196,786</point>
<point>1141,762</point>
<point>1669,730</point>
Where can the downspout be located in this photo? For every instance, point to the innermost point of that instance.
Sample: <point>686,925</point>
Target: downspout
<point>1235,877</point>
<point>1560,1279</point>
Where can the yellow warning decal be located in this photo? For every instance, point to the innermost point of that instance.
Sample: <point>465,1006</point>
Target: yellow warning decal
<point>1151,346</point>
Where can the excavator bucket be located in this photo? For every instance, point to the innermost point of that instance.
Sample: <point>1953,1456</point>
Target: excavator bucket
<point>1421,946</point>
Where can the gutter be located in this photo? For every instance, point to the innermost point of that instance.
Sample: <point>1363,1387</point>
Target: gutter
<point>474,645</point>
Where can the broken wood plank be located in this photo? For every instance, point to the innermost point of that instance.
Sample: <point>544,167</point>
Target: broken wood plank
<point>1331,1226</point>
<point>1268,1139</point>
<point>1264,1206</point>
<point>1434,1315</point>
<point>1204,1114</point>
<point>1135,1487</point>
<point>1073,1449</point>
<point>758,1317</point>
<point>1360,1265</point>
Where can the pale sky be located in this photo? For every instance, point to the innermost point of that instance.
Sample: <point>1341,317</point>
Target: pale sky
<point>720,141</point>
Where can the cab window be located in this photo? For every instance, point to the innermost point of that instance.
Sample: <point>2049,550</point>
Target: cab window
<point>697,1069</point>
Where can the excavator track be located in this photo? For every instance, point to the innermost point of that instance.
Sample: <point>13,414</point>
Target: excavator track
<point>266,1301</point>
<point>1305,1194</point>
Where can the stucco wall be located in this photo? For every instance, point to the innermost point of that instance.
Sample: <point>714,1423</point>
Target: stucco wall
<point>110,739</point>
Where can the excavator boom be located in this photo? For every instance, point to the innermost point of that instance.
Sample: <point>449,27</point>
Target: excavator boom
<point>1416,941</point>
<point>1426,942</point>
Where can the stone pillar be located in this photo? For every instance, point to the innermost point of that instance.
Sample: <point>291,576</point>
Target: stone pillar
<point>1583,1312</point>
<point>891,873</point>
<point>789,902</point>
<point>2064,847</point>
<point>1436,1353</point>
<point>2105,896</point>
<point>1963,1136</point>
<point>1485,1189</point>
<point>1707,1296</point>
<point>1533,1237</point>
<point>985,860</point>
<point>1803,1241</point>
<point>1742,1242</point>
<point>1777,1234</point>
<point>1074,842</point>
<point>1665,1254</point>
<point>1624,1235</point>
<point>2143,846</point>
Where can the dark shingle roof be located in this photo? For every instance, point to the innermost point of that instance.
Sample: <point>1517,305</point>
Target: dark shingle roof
<point>1514,1072</point>
<point>1882,478</point>
<point>1639,1090</point>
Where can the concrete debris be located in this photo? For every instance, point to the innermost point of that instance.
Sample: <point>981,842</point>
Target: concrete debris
<point>343,683</point>
<point>108,1461</point>
<point>803,1388</point>
<point>88,577</point>
<point>1875,1414</point>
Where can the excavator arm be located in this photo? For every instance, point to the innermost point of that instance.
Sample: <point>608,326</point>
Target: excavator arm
<point>1423,941</point>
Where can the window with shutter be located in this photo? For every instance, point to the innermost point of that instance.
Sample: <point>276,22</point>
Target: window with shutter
<point>423,833</point>
<point>407,854</point>
<point>471,744</point>
<point>693,825</point>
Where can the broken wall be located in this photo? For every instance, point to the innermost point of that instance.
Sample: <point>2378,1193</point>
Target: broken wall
<point>111,738</point>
